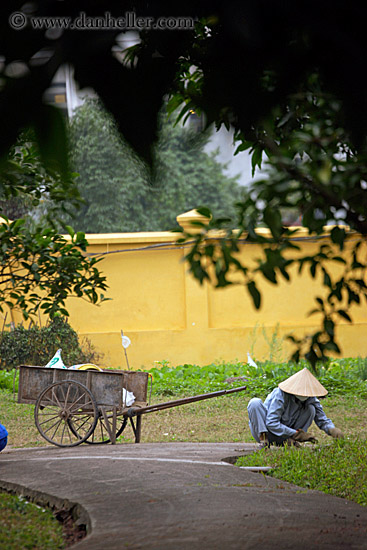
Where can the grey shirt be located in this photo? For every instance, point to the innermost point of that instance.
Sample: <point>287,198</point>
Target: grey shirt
<point>283,410</point>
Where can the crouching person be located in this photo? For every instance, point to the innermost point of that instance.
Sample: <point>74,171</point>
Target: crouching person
<point>288,412</point>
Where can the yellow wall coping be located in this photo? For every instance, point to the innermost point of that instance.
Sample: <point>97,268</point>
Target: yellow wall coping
<point>127,238</point>
<point>185,220</point>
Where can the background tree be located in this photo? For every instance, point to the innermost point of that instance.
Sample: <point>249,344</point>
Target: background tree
<point>113,181</point>
<point>120,194</point>
<point>186,176</point>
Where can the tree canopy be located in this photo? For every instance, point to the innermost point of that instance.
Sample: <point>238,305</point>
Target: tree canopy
<point>112,180</point>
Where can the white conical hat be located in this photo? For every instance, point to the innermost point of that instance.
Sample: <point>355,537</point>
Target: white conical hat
<point>303,383</point>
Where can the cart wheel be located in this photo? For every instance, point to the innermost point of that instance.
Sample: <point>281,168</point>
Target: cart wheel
<point>66,413</point>
<point>100,434</point>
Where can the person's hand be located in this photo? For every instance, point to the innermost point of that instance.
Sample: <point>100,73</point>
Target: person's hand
<point>335,432</point>
<point>303,436</point>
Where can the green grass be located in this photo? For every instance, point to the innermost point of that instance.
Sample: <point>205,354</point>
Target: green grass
<point>338,468</point>
<point>338,376</point>
<point>24,525</point>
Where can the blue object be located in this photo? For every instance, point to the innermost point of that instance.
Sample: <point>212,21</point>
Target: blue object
<point>3,437</point>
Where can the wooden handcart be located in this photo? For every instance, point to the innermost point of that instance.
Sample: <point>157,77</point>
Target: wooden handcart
<point>75,406</point>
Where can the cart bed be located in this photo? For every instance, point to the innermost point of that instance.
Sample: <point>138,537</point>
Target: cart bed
<point>106,386</point>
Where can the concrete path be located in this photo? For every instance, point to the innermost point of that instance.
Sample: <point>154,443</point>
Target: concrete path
<point>181,496</point>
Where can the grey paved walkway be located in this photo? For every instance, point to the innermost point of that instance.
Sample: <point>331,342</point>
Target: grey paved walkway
<point>181,496</point>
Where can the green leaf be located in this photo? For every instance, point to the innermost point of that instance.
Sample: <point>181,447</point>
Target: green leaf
<point>329,326</point>
<point>256,160</point>
<point>174,102</point>
<point>244,146</point>
<point>273,220</point>
<point>70,230</point>
<point>268,272</point>
<point>327,280</point>
<point>332,346</point>
<point>352,296</point>
<point>313,267</point>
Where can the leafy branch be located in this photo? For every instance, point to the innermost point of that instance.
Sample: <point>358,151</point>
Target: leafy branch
<point>40,269</point>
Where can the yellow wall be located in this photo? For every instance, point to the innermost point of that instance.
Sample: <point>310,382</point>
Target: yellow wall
<point>169,316</point>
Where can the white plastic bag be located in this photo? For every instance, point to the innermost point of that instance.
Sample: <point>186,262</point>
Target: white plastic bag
<point>56,362</point>
<point>125,340</point>
<point>128,397</point>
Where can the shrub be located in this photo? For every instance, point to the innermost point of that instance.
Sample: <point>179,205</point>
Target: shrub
<point>37,345</point>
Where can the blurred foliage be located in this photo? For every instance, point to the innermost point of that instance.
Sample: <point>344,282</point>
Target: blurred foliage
<point>260,41</point>
<point>312,169</point>
<point>30,189</point>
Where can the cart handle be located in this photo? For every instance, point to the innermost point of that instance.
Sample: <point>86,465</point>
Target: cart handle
<point>135,411</point>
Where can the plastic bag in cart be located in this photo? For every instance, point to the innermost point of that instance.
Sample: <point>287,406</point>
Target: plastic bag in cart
<point>56,362</point>
<point>128,397</point>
